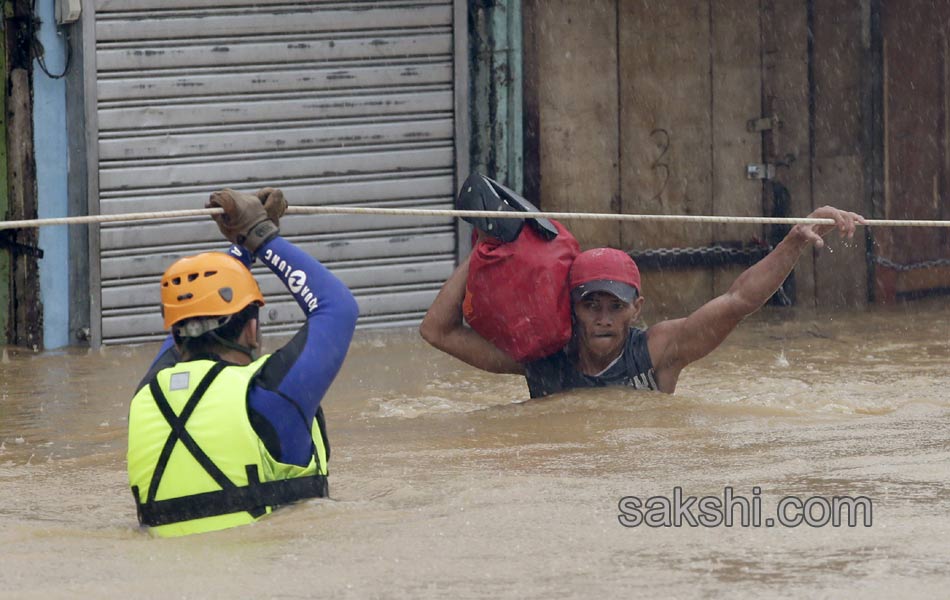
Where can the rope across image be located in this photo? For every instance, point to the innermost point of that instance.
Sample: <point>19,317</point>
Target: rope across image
<point>419,212</point>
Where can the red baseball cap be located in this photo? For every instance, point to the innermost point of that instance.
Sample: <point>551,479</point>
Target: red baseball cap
<point>605,270</point>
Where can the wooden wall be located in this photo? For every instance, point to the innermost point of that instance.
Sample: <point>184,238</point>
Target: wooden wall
<point>786,94</point>
<point>916,78</point>
<point>840,63</point>
<point>641,107</point>
<point>571,111</point>
<point>666,134</point>
<point>25,321</point>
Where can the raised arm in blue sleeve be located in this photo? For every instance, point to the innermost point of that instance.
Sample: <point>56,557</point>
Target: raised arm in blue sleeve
<point>287,391</point>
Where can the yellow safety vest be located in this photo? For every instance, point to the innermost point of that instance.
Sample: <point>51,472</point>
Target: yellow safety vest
<point>195,462</point>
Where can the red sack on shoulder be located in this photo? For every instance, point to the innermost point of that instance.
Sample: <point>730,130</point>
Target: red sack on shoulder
<point>517,294</point>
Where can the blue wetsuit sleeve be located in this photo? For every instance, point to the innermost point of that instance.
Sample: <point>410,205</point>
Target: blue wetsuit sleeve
<point>165,352</point>
<point>167,356</point>
<point>289,387</point>
<point>242,254</point>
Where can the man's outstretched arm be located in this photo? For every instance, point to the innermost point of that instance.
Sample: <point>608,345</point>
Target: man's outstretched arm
<point>676,343</point>
<point>443,328</point>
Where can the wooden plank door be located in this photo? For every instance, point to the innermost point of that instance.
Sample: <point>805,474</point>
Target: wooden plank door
<point>637,106</point>
<point>916,74</point>
<point>572,143</point>
<point>691,79</point>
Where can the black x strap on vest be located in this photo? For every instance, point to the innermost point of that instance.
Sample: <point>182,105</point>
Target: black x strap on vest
<point>253,498</point>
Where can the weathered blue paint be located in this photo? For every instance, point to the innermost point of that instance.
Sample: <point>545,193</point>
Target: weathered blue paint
<point>49,131</point>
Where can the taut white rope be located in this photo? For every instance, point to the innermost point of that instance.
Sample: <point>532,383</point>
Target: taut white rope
<point>423,212</point>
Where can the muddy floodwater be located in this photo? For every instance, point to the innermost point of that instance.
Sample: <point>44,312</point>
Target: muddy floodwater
<point>446,482</point>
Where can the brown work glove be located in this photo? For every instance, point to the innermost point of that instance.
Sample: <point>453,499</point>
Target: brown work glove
<point>245,221</point>
<point>274,203</point>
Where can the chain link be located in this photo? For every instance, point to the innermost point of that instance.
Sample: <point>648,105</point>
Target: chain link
<point>725,253</point>
<point>927,264</point>
<point>709,251</point>
<point>709,256</point>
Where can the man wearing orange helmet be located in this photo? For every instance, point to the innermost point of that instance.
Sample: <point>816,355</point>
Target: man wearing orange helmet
<point>218,436</point>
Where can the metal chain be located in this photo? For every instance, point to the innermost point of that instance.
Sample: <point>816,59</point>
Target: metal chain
<point>729,254</point>
<point>755,252</point>
<point>927,264</point>
<point>712,251</point>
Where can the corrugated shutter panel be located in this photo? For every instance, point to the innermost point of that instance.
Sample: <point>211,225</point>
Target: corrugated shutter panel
<point>334,102</point>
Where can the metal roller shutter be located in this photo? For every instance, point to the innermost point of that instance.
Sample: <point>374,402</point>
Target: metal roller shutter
<point>334,102</point>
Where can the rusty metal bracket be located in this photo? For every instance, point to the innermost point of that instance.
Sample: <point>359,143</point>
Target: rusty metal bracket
<point>759,171</point>
<point>763,124</point>
<point>8,241</point>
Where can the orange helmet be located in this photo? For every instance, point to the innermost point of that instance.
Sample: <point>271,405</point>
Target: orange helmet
<point>207,285</point>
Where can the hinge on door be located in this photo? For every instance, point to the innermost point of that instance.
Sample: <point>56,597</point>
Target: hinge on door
<point>763,124</point>
<point>759,171</point>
